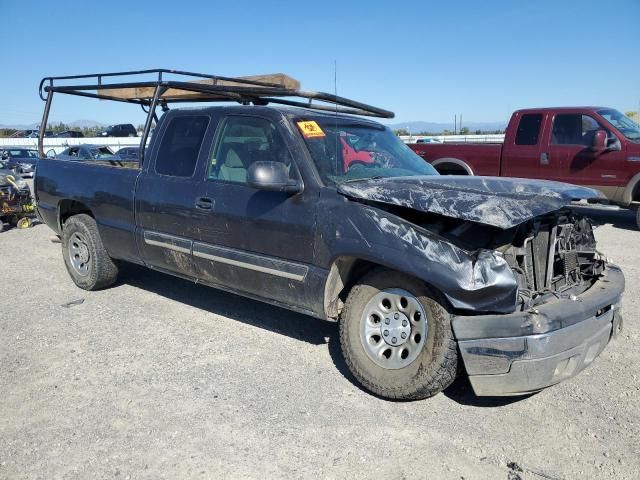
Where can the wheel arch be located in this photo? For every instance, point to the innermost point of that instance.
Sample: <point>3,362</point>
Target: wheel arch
<point>631,191</point>
<point>68,208</point>
<point>454,164</point>
<point>344,273</point>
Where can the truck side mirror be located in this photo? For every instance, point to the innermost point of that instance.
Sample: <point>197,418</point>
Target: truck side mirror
<point>600,141</point>
<point>271,176</point>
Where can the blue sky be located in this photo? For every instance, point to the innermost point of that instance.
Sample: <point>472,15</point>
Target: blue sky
<point>424,60</point>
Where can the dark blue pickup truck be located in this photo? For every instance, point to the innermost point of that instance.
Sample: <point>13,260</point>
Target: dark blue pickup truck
<point>331,215</point>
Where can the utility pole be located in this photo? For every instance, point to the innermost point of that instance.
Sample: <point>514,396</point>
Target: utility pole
<point>455,124</point>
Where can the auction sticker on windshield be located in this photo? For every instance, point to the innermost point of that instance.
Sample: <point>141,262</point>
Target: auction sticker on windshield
<point>310,129</point>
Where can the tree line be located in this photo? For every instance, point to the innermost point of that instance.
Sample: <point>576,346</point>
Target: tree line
<point>463,131</point>
<point>59,127</point>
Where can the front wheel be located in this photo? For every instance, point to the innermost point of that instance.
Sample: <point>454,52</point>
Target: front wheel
<point>85,257</point>
<point>638,217</point>
<point>396,337</point>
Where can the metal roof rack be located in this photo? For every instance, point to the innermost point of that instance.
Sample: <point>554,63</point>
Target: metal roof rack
<point>195,87</point>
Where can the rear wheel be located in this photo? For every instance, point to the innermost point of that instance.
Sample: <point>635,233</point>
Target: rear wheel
<point>396,338</point>
<point>85,257</point>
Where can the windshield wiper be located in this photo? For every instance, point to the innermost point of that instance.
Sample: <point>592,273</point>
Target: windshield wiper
<point>377,177</point>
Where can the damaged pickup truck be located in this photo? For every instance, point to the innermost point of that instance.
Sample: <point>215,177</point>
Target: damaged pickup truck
<point>329,214</point>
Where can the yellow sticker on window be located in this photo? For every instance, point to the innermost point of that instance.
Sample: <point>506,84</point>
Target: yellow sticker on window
<point>310,129</point>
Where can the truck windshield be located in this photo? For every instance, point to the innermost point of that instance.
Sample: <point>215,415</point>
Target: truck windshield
<point>344,152</point>
<point>624,124</point>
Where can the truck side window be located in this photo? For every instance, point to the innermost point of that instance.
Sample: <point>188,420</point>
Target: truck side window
<point>178,152</point>
<point>529,129</point>
<point>242,141</point>
<point>574,129</point>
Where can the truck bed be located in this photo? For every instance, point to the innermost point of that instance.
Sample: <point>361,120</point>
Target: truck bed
<point>484,158</point>
<point>110,197</point>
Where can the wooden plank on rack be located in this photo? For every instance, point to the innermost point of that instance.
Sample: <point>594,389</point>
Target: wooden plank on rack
<point>279,79</point>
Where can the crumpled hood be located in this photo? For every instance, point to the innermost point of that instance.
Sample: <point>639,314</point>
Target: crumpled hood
<point>497,201</point>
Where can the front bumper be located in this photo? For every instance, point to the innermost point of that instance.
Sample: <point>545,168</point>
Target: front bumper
<point>527,351</point>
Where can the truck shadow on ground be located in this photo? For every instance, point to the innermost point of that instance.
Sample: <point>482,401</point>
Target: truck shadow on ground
<point>460,391</point>
<point>277,320</point>
<point>624,219</point>
<point>245,310</point>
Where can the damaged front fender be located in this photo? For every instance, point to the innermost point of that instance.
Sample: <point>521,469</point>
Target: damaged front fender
<point>481,280</point>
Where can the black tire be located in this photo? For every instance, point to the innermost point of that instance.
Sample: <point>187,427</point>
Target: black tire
<point>638,217</point>
<point>431,371</point>
<point>101,270</point>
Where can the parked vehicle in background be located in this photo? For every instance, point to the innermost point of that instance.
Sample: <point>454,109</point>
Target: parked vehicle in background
<point>21,133</point>
<point>120,130</point>
<point>86,152</point>
<point>70,134</point>
<point>34,134</point>
<point>428,140</point>
<point>128,153</point>
<point>21,160</point>
<point>592,146</point>
<point>331,215</point>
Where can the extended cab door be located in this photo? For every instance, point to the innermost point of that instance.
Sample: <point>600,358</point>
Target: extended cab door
<point>165,194</point>
<point>256,242</point>
<point>522,153</point>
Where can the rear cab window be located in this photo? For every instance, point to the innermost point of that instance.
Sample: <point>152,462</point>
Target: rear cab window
<point>529,129</point>
<point>180,146</point>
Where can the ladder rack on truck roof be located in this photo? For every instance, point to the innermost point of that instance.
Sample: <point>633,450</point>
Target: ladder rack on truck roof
<point>194,87</point>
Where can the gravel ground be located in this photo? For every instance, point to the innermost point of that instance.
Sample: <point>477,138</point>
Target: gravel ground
<point>160,378</point>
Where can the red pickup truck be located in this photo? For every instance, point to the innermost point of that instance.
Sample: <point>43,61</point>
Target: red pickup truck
<point>592,146</point>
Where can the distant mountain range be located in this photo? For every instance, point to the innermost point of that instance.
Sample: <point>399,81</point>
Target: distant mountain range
<point>434,127</point>
<point>77,123</point>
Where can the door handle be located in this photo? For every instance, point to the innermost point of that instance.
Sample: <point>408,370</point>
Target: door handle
<point>204,203</point>
<point>544,158</point>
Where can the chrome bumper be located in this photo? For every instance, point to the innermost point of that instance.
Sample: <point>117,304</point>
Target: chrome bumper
<point>527,351</point>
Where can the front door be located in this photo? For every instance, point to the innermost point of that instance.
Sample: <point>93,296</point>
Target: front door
<point>255,242</point>
<point>571,143</point>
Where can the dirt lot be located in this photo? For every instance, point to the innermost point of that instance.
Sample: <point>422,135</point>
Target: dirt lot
<point>160,378</point>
